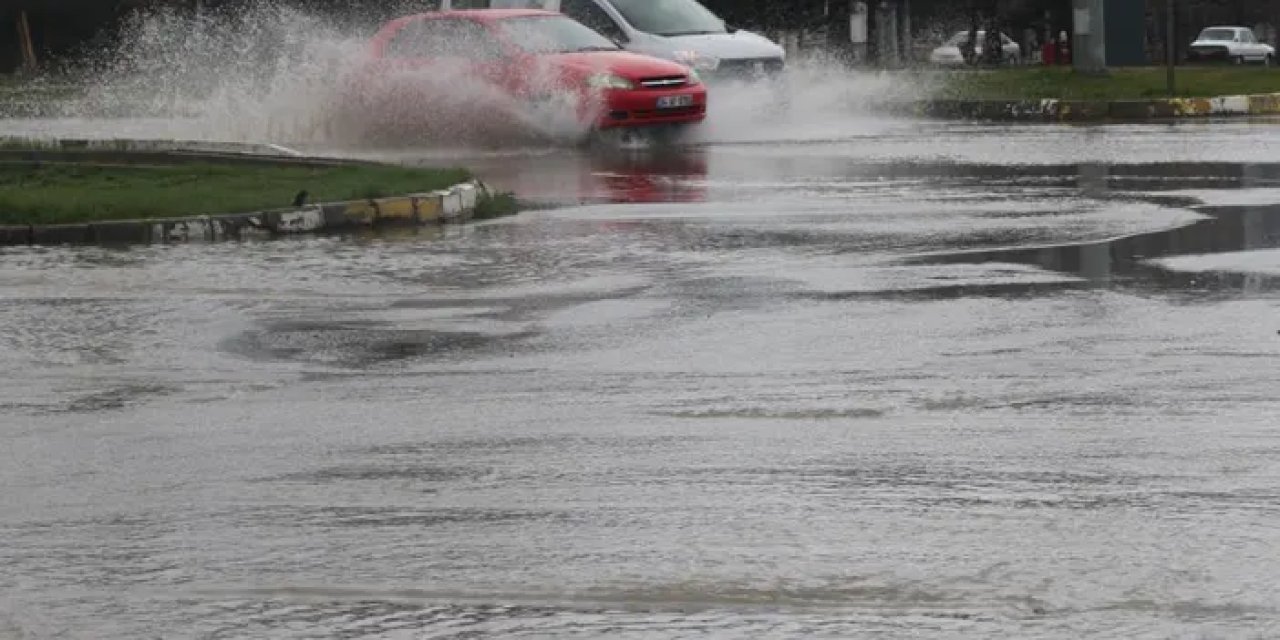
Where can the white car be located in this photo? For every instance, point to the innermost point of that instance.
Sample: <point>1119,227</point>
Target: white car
<point>950,54</point>
<point>679,30</point>
<point>1230,44</point>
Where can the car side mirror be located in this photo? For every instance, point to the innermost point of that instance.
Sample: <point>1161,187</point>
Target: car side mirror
<point>730,28</point>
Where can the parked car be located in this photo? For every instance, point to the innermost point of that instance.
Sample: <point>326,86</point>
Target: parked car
<point>1237,45</point>
<point>951,52</point>
<point>679,30</point>
<point>490,68</point>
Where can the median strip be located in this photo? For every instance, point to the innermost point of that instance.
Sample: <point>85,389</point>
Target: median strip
<point>56,201</point>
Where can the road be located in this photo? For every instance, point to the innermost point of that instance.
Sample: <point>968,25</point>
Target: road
<point>904,379</point>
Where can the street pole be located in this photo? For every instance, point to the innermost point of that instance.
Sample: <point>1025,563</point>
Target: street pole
<point>1089,46</point>
<point>1171,45</point>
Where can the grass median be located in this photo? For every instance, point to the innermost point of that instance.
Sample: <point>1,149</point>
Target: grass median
<point>59,193</point>
<point>1145,83</point>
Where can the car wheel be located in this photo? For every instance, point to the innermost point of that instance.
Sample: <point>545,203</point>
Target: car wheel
<point>1269,61</point>
<point>1238,60</point>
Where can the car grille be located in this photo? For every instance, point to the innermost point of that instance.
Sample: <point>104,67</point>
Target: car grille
<point>664,82</point>
<point>650,114</point>
<point>748,68</point>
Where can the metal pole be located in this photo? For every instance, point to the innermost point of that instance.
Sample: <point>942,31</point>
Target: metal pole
<point>1171,46</point>
<point>25,42</point>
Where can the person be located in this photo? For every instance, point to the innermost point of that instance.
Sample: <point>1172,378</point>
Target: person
<point>993,48</point>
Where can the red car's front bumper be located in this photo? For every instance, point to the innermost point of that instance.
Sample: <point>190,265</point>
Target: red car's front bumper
<point>643,107</point>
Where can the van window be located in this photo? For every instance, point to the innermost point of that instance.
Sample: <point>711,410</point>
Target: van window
<point>589,13</point>
<point>669,17</point>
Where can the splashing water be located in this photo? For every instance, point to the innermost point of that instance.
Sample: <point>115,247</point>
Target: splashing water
<point>268,72</point>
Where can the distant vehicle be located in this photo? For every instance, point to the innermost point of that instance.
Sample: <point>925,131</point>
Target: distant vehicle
<point>951,53</point>
<point>1237,45</point>
<point>448,70</point>
<point>680,30</point>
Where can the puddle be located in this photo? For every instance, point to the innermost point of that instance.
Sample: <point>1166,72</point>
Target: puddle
<point>1143,261</point>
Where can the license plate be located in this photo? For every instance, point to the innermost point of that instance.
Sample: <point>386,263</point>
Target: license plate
<point>675,102</point>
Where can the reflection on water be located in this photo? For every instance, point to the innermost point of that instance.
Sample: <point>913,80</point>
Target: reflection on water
<point>1128,261</point>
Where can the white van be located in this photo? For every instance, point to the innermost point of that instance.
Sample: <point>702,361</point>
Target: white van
<point>680,30</point>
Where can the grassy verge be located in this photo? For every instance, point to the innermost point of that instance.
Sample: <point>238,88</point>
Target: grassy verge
<point>1034,83</point>
<point>496,205</point>
<point>52,194</point>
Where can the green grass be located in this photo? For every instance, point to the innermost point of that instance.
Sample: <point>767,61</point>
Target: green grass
<point>52,194</point>
<point>1120,84</point>
<point>496,205</point>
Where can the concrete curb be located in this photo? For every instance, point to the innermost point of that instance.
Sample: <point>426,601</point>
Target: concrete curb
<point>449,206</point>
<point>120,145</point>
<point>1098,111</point>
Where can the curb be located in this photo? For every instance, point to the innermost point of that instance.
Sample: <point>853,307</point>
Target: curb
<point>449,206</point>
<point>1051,110</point>
<point>121,145</point>
<point>164,157</point>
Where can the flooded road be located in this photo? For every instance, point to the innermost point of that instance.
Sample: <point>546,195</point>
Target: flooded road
<point>931,381</point>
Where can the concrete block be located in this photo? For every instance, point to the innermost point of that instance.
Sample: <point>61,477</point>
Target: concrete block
<point>396,210</point>
<point>1264,105</point>
<point>182,230</point>
<point>297,221</point>
<point>122,232</point>
<point>346,215</point>
<point>470,196</point>
<point>12,235</point>
<point>430,206</point>
<point>1130,110</point>
<point>450,205</point>
<point>61,234</point>
<point>240,226</point>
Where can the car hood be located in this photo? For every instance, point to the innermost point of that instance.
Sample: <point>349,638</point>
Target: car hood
<point>739,45</point>
<point>1212,43</point>
<point>631,66</point>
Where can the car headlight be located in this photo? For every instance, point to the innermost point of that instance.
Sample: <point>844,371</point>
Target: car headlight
<point>694,78</point>
<point>609,81</point>
<point>697,61</point>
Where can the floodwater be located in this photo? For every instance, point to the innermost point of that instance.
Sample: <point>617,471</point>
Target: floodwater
<point>923,381</point>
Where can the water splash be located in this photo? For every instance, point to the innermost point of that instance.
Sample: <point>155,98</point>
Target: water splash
<point>270,72</point>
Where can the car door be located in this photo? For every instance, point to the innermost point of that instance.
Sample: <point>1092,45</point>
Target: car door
<point>1257,51</point>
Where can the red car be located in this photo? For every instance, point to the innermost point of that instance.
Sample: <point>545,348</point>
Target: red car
<point>490,69</point>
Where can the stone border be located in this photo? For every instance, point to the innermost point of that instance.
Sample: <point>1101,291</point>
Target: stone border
<point>1099,110</point>
<point>453,205</point>
<point>122,145</point>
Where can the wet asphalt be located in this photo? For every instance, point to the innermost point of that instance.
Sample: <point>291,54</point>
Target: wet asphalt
<point>905,379</point>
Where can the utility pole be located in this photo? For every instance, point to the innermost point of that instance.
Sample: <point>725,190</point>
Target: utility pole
<point>25,43</point>
<point>1089,42</point>
<point>1171,45</point>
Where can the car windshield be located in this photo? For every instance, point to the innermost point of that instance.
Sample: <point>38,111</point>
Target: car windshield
<point>669,17</point>
<point>962,37</point>
<point>554,34</point>
<point>1220,35</point>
